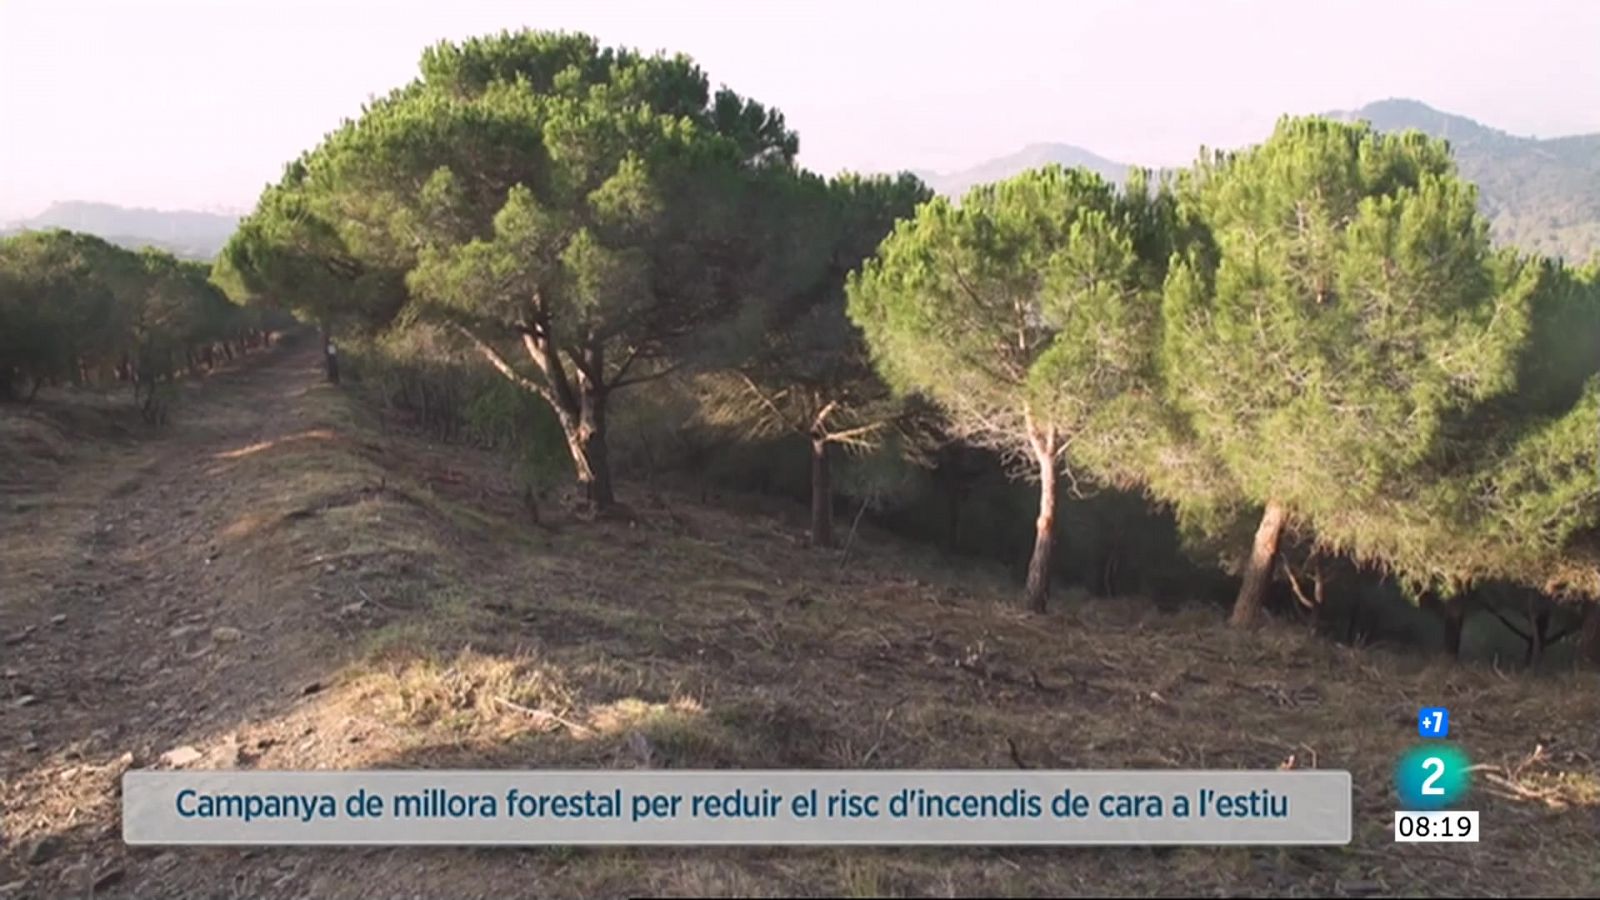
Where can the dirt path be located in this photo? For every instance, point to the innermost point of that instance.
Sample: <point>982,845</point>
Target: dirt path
<point>127,630</point>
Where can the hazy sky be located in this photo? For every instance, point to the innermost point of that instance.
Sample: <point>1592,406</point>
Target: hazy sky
<point>199,104</point>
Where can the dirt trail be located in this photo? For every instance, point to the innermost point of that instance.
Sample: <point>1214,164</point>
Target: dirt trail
<point>128,631</point>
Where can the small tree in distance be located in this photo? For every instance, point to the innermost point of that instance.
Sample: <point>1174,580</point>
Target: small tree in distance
<point>1021,312</point>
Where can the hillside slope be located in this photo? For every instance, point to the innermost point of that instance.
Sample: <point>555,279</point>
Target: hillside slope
<point>280,579</point>
<point>1541,195</point>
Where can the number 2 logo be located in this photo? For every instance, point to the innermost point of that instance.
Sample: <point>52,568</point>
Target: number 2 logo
<point>1431,776</point>
<point>1435,765</point>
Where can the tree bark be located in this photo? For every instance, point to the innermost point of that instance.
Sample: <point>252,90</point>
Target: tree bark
<point>579,403</point>
<point>821,494</point>
<point>1589,638</point>
<point>1454,610</point>
<point>953,500</point>
<point>1037,592</point>
<point>1538,633</point>
<point>330,357</point>
<point>586,437</point>
<point>1258,567</point>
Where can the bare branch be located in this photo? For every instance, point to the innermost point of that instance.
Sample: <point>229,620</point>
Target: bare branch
<point>1507,622</point>
<point>821,418</point>
<point>766,401</point>
<point>633,356</point>
<point>1294,583</point>
<point>853,435</point>
<point>537,343</point>
<point>653,376</point>
<point>499,362</point>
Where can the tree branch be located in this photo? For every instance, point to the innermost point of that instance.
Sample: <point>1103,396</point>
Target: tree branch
<point>505,367</point>
<point>549,363</point>
<point>633,355</point>
<point>766,401</point>
<point>821,418</point>
<point>850,435</point>
<point>583,361</point>
<point>1562,635</point>
<point>641,379</point>
<point>1294,583</point>
<point>1507,622</point>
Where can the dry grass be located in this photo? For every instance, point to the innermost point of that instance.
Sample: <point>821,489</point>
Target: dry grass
<point>722,640</point>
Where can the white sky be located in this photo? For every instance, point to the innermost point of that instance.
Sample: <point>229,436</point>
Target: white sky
<point>195,104</point>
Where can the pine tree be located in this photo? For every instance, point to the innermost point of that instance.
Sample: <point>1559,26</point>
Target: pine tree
<point>575,213</point>
<point>1340,305</point>
<point>1022,312</point>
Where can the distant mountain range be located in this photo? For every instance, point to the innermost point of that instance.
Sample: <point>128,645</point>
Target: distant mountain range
<point>1541,195</point>
<point>185,233</point>
<point>954,184</point>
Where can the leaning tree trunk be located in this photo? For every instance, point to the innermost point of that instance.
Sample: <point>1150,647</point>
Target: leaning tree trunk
<point>1037,592</point>
<point>586,438</point>
<point>821,494</point>
<point>1258,567</point>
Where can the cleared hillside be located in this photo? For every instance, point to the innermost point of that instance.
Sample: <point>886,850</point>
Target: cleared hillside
<point>281,580</point>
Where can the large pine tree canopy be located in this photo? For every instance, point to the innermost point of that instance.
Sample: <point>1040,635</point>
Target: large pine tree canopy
<point>593,212</point>
<point>1343,301</point>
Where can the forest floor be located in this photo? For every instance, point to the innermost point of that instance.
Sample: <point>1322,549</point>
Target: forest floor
<point>279,578</point>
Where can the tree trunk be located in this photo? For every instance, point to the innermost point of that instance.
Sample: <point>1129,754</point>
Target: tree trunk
<point>1454,610</point>
<point>1538,634</point>
<point>587,440</point>
<point>330,357</point>
<point>1589,638</point>
<point>821,495</point>
<point>953,519</point>
<point>1258,568</point>
<point>1037,592</point>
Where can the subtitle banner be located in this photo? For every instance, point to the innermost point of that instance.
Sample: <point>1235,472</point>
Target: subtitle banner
<point>752,807</point>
